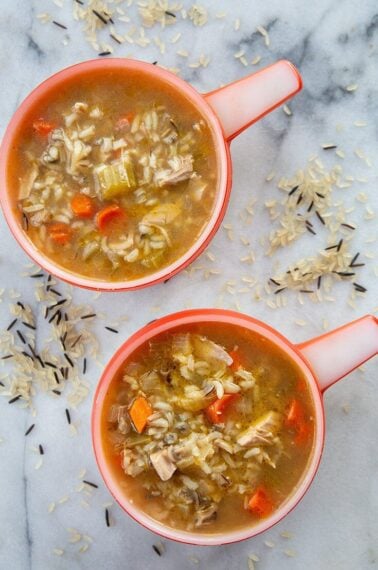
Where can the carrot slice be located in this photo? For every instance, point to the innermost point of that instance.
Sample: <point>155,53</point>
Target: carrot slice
<point>236,364</point>
<point>82,206</point>
<point>295,420</point>
<point>108,216</point>
<point>43,127</point>
<point>216,411</point>
<point>295,414</point>
<point>139,413</point>
<point>260,503</point>
<point>60,233</point>
<point>301,385</point>
<point>303,433</point>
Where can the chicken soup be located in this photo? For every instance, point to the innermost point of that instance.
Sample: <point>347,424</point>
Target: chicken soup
<point>115,175</point>
<point>208,428</point>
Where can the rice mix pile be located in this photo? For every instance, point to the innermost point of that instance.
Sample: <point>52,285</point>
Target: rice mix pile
<point>51,363</point>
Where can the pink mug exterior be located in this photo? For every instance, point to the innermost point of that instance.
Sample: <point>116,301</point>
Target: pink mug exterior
<point>332,356</point>
<point>214,106</point>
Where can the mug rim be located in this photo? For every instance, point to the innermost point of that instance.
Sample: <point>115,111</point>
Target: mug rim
<point>170,322</point>
<point>223,158</point>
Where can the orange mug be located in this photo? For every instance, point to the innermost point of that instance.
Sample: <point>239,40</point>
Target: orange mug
<point>228,111</point>
<point>323,360</point>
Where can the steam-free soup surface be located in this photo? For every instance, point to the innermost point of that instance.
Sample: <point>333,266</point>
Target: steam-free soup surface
<point>208,428</point>
<point>114,175</point>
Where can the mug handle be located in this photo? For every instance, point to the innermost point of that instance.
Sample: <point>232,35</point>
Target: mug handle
<point>242,103</point>
<point>334,354</point>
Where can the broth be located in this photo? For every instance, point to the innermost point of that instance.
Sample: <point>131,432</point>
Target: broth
<point>224,429</point>
<point>114,176</point>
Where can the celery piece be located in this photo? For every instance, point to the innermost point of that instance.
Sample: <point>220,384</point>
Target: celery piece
<point>115,179</point>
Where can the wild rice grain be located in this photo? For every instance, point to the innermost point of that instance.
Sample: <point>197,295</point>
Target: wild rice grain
<point>58,303</point>
<point>29,326</point>
<point>112,330</point>
<point>68,415</point>
<point>40,361</point>
<point>75,342</point>
<point>84,365</point>
<point>53,317</point>
<point>25,221</point>
<point>26,354</point>
<point>41,450</point>
<point>115,39</point>
<point>68,360</point>
<point>309,229</point>
<point>90,484</point>
<point>157,549</point>
<point>359,288</point>
<point>21,336</point>
<point>55,292</point>
<point>107,520</point>
<point>100,17</point>
<point>29,429</point>
<point>330,247</point>
<point>89,316</point>
<point>344,273</point>
<point>14,399</point>
<point>59,26</point>
<point>11,325</point>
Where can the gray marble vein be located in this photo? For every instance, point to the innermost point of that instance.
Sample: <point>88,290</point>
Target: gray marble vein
<point>335,527</point>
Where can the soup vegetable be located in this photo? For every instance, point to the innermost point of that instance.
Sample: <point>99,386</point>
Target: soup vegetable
<point>208,428</point>
<point>115,176</point>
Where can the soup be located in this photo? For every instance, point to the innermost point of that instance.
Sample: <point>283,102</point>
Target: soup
<point>114,175</point>
<point>208,428</point>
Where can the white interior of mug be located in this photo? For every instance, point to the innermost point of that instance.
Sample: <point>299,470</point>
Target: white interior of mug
<point>163,325</point>
<point>223,163</point>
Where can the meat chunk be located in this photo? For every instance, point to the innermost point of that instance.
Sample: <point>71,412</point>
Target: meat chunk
<point>160,215</point>
<point>163,463</point>
<point>181,168</point>
<point>39,218</point>
<point>262,431</point>
<point>207,349</point>
<point>27,182</point>
<point>206,515</point>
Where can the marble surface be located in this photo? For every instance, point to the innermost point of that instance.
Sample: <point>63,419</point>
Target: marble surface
<point>334,44</point>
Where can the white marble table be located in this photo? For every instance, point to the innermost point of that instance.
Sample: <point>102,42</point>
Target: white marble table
<point>334,44</point>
